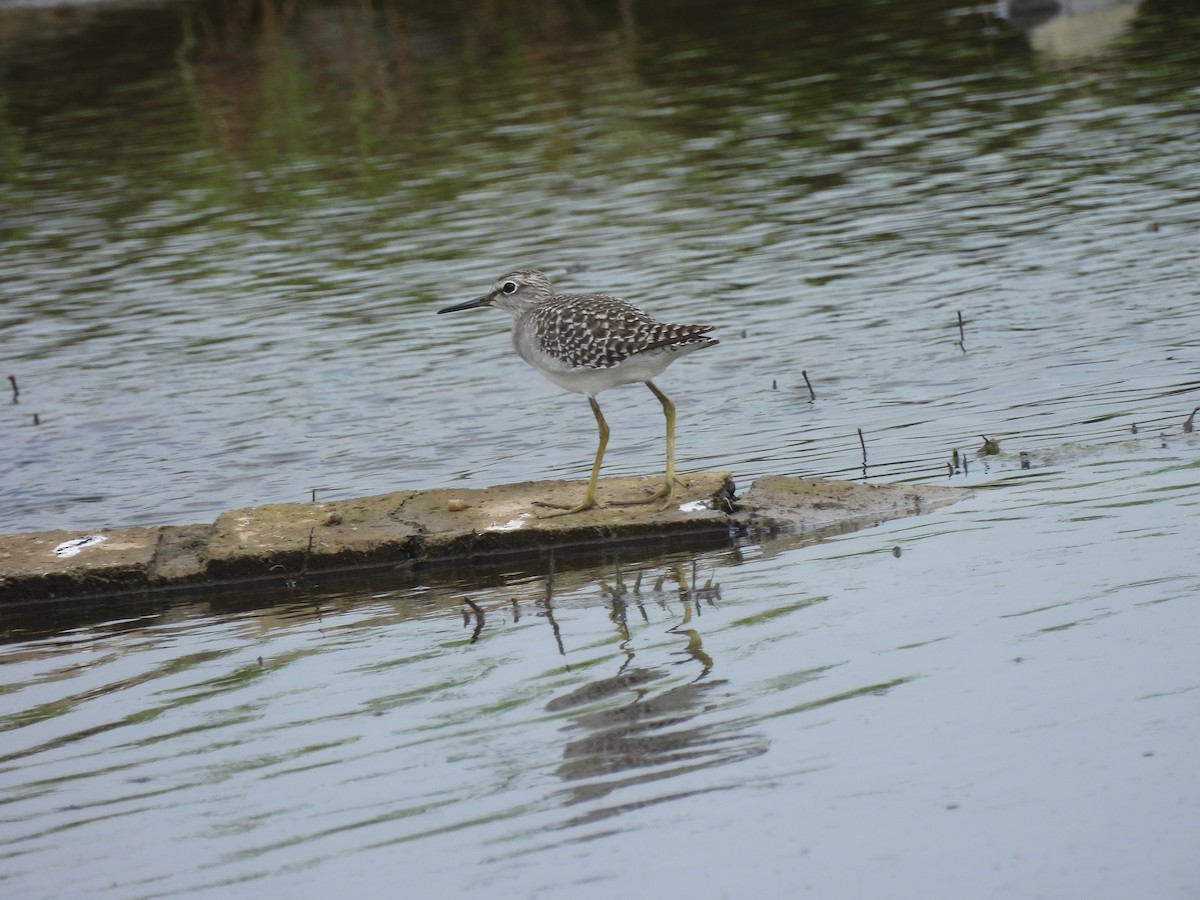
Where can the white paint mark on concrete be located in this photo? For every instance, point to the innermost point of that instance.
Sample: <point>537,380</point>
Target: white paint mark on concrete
<point>73,546</point>
<point>511,525</point>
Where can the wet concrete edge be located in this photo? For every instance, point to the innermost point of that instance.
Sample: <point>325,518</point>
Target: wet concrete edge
<point>443,529</point>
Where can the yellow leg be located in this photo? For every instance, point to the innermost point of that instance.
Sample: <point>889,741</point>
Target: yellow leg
<point>589,498</point>
<point>667,491</point>
<point>669,412</point>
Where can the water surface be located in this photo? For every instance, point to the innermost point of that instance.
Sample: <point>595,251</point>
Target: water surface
<point>227,228</point>
<point>226,238</point>
<point>995,698</point>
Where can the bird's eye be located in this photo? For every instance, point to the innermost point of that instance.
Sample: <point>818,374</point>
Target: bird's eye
<point>510,287</point>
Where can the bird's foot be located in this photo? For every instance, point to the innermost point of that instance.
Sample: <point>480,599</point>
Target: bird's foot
<point>561,509</point>
<point>665,492</point>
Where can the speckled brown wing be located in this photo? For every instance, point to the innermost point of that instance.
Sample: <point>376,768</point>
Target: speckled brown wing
<point>595,331</point>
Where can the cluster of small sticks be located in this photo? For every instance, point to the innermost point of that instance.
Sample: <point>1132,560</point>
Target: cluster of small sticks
<point>991,447</point>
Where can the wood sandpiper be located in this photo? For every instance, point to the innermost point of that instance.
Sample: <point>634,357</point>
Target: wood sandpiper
<point>588,343</point>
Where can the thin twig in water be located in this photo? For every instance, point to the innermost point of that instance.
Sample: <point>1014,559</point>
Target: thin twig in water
<point>307,554</point>
<point>12,379</point>
<point>962,337</point>
<point>548,605</point>
<point>862,443</point>
<point>812,395</point>
<point>290,580</point>
<point>478,618</point>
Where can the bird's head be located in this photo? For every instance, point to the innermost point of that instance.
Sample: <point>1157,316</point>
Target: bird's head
<point>515,293</point>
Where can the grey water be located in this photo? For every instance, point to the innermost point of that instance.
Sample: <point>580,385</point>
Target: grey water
<point>226,230</point>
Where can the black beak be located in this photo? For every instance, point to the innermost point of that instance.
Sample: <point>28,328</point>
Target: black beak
<point>470,304</point>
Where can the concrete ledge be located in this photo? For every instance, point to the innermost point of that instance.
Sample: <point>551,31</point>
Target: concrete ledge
<point>445,528</point>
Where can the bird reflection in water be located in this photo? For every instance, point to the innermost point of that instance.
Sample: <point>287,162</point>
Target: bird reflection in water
<point>647,725</point>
